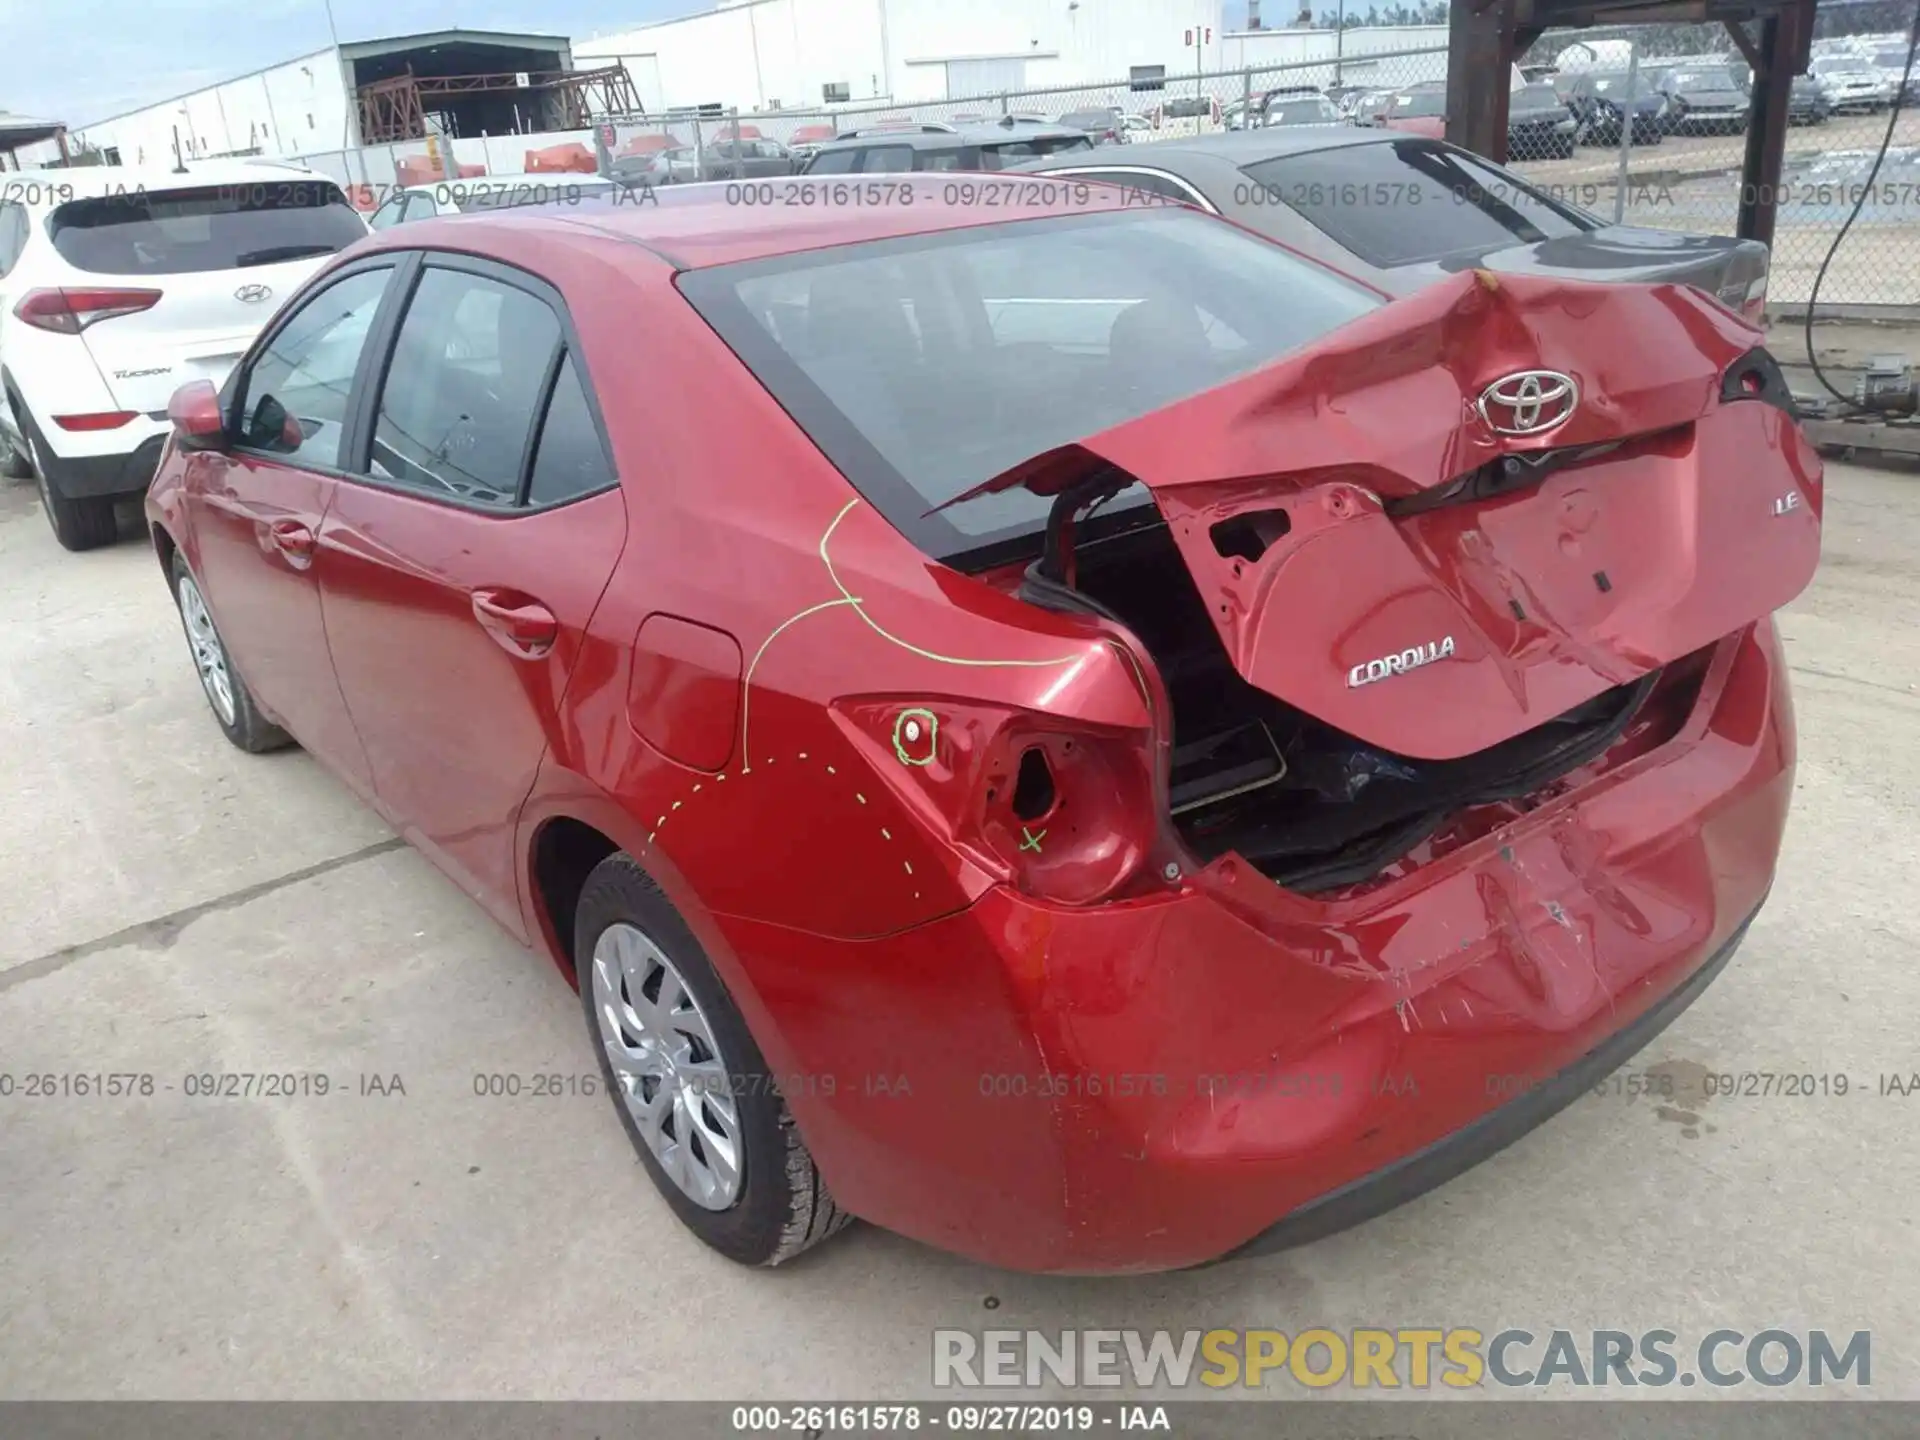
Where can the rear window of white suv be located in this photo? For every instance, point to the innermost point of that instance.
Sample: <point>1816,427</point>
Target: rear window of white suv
<point>202,228</point>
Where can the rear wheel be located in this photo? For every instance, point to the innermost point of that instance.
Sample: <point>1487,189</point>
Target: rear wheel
<point>79,523</point>
<point>690,1085</point>
<point>227,694</point>
<point>15,463</point>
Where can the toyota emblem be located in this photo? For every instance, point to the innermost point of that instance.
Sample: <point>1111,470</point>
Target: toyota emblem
<point>1529,403</point>
<point>253,294</point>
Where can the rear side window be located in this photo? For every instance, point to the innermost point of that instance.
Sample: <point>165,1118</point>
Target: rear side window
<point>834,162</point>
<point>1445,202</point>
<point>570,459</point>
<point>463,387</point>
<point>1012,152</point>
<point>294,399</point>
<point>192,230</point>
<point>925,365</point>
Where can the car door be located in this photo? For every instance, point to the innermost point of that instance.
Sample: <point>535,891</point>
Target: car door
<point>460,565</point>
<point>254,512</point>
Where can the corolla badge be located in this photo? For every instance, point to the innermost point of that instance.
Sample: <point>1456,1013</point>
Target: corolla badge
<point>1529,403</point>
<point>1387,666</point>
<point>253,294</point>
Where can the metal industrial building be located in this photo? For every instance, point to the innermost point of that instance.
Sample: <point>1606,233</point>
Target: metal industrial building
<point>789,54</point>
<point>473,81</point>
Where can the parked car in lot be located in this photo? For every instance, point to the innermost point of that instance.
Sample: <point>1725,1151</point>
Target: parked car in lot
<point>984,147</point>
<point>1702,100</point>
<point>1372,106</point>
<point>1301,110</point>
<point>1807,102</point>
<point>1539,126</point>
<point>933,719</point>
<point>1599,103</point>
<point>1106,124</point>
<point>1851,83</point>
<point>117,284</point>
<point>1891,62</point>
<point>1419,110</point>
<point>489,192</point>
<point>1402,212</point>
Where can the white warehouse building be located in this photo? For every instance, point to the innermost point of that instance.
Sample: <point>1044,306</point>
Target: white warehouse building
<point>803,54</point>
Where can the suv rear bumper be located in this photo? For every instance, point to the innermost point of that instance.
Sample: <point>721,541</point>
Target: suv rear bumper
<point>81,477</point>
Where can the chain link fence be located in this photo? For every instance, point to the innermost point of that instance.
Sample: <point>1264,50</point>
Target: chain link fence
<point>1642,125</point>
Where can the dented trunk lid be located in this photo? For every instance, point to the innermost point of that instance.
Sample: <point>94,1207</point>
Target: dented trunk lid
<point>1373,550</point>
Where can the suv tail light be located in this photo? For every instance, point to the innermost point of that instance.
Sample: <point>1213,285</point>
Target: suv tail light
<point>1057,808</point>
<point>69,311</point>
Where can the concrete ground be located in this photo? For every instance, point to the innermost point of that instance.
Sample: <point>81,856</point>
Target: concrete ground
<point>169,906</point>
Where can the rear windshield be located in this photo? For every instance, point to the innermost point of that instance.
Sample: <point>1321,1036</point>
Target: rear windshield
<point>223,227</point>
<point>1443,202</point>
<point>925,365</point>
<point>1426,105</point>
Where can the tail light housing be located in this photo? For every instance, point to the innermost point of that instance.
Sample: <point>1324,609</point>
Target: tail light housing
<point>1057,808</point>
<point>68,311</point>
<point>99,420</point>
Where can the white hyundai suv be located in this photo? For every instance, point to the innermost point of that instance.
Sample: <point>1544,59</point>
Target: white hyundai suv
<point>117,286</point>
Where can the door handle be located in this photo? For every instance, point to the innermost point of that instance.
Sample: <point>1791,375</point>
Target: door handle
<point>293,540</point>
<point>525,628</point>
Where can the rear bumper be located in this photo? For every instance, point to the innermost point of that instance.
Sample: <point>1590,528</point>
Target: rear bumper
<point>1395,1184</point>
<point>1156,1084</point>
<point>91,476</point>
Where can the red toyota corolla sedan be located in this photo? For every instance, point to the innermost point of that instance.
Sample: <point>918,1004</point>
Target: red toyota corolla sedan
<point>1054,725</point>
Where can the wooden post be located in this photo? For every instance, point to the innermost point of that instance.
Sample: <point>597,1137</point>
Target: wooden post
<point>1479,67</point>
<point>1785,41</point>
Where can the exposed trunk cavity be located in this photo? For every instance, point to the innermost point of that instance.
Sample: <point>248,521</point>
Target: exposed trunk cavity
<point>1309,806</point>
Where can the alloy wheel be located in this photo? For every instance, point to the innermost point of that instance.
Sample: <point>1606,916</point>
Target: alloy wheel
<point>209,655</point>
<point>673,1078</point>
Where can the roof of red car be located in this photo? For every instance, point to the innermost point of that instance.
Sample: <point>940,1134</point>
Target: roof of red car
<point>693,226</point>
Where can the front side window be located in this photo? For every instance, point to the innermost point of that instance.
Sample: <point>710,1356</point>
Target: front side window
<point>925,365</point>
<point>293,401</point>
<point>463,387</point>
<point>1447,202</point>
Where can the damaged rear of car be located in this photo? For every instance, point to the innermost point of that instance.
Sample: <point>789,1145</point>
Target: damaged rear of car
<point>1460,746</point>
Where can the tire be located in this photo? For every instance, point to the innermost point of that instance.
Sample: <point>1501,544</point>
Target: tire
<point>780,1205</point>
<point>239,717</point>
<point>83,523</point>
<point>15,464</point>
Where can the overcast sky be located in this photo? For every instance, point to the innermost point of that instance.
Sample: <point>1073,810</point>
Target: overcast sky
<point>85,60</point>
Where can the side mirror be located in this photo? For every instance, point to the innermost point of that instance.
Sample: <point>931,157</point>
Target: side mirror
<point>197,421</point>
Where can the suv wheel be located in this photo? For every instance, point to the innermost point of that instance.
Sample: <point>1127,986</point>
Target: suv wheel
<point>84,523</point>
<point>690,1085</point>
<point>15,463</point>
